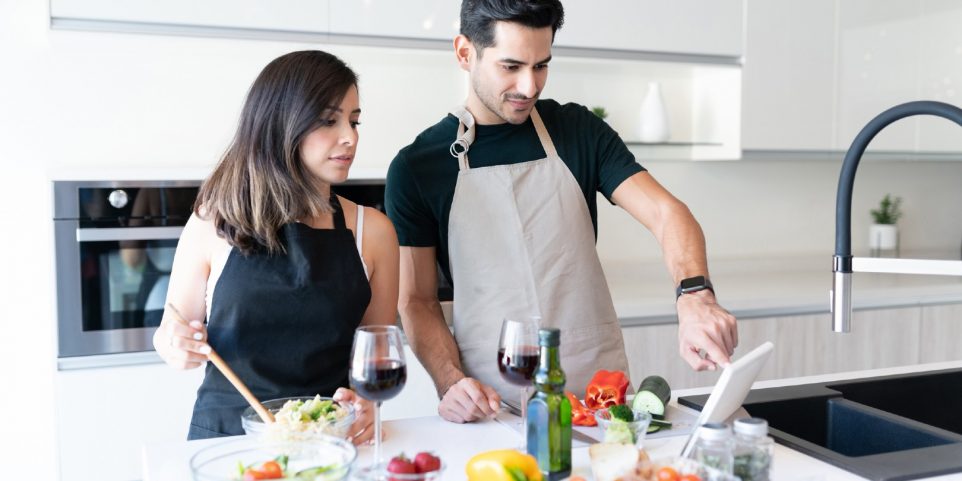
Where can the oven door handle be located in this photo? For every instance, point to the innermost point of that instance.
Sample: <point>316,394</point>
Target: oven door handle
<point>128,234</point>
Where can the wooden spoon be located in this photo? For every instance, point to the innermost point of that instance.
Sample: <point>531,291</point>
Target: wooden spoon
<point>222,366</point>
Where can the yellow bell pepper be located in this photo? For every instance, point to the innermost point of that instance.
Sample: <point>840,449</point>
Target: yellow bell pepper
<point>503,465</point>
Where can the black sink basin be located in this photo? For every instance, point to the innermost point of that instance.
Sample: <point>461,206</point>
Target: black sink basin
<point>885,428</point>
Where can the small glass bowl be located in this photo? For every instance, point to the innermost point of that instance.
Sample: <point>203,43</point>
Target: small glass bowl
<point>253,425</point>
<point>638,427</point>
<point>222,461</point>
<point>378,472</point>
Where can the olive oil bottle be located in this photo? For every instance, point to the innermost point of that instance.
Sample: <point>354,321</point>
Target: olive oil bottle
<point>549,411</point>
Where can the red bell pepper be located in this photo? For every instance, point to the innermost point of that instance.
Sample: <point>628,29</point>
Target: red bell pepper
<point>580,415</point>
<point>606,389</point>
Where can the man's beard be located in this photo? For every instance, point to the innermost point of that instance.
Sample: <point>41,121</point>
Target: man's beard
<point>492,102</point>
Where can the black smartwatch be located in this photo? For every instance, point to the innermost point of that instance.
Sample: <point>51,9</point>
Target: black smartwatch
<point>693,284</point>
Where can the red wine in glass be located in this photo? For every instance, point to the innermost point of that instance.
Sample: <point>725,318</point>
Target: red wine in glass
<point>518,364</point>
<point>379,379</point>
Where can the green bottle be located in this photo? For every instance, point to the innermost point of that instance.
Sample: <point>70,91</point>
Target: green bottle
<point>549,411</point>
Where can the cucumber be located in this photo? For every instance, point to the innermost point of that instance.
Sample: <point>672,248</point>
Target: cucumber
<point>661,424</point>
<point>653,396</point>
<point>653,428</point>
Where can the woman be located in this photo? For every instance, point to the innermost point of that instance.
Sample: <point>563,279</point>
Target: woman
<point>283,270</point>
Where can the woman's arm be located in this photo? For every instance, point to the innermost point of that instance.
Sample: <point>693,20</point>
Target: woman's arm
<point>381,256</point>
<point>184,347</point>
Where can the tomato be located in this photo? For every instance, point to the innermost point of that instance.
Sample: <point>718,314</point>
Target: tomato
<point>690,477</point>
<point>268,470</point>
<point>668,474</point>
<point>272,470</point>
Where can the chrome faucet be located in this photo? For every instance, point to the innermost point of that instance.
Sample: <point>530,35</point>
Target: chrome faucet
<point>843,263</point>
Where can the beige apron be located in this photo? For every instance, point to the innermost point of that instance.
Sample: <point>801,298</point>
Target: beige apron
<point>522,244</point>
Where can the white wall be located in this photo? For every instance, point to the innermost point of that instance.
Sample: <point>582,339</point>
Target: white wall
<point>80,101</point>
<point>787,208</point>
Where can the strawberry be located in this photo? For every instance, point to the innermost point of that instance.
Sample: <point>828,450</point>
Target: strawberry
<point>401,465</point>
<point>427,462</point>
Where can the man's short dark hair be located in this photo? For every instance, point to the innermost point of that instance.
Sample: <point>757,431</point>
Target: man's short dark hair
<point>479,16</point>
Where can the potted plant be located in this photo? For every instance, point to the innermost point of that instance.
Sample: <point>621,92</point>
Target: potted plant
<point>600,112</point>
<point>883,234</point>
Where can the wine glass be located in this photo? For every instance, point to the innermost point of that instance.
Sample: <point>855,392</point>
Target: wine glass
<point>378,370</point>
<point>518,355</point>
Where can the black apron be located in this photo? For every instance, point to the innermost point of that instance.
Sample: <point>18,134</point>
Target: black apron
<point>284,323</point>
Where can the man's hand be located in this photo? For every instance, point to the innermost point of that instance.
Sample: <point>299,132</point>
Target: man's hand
<point>468,400</point>
<point>704,326</point>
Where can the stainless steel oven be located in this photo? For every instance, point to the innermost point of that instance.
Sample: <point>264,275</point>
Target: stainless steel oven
<point>115,244</point>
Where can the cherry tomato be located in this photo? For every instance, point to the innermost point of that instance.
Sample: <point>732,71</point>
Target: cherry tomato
<point>268,470</point>
<point>272,470</point>
<point>667,474</point>
<point>690,477</point>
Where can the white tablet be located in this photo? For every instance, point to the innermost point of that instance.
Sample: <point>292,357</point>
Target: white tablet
<point>731,389</point>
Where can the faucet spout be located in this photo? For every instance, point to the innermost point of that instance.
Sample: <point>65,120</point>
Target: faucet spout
<point>841,294</point>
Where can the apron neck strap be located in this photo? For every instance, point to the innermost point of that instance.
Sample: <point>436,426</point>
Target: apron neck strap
<point>338,215</point>
<point>543,136</point>
<point>467,131</point>
<point>459,148</point>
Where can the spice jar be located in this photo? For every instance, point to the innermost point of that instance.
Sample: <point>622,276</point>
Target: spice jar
<point>714,447</point>
<point>753,450</point>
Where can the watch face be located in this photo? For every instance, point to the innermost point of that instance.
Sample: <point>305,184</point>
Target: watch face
<point>693,282</point>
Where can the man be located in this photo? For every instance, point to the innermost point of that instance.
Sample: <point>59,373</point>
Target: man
<point>501,195</point>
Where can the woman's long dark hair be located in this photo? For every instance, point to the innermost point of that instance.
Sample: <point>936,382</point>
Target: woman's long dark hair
<point>260,183</point>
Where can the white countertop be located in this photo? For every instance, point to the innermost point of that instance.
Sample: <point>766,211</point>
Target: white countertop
<point>643,293</point>
<point>456,443</point>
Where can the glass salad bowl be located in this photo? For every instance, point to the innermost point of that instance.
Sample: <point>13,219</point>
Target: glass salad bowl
<point>300,418</point>
<point>624,432</point>
<point>323,458</point>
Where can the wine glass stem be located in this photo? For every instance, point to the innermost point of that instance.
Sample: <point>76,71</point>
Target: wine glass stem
<point>377,432</point>
<point>524,420</point>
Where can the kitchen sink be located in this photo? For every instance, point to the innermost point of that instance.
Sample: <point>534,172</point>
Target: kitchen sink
<point>883,428</point>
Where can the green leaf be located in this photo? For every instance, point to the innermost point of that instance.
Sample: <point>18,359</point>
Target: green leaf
<point>282,460</point>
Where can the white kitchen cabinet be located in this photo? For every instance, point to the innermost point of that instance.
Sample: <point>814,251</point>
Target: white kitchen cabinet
<point>806,345</point>
<point>788,100</point>
<point>940,72</point>
<point>878,67</point>
<point>702,27</point>
<point>105,415</point>
<point>421,19</point>
<point>284,15</point>
<point>941,333</point>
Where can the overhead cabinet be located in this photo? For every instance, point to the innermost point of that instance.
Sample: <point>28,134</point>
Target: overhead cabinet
<point>816,72</point>
<point>282,15</point>
<point>698,27</point>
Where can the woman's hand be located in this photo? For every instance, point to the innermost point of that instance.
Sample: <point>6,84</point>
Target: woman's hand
<point>362,430</point>
<point>182,346</point>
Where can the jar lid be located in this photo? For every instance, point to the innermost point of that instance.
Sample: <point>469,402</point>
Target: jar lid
<point>714,431</point>
<point>754,427</point>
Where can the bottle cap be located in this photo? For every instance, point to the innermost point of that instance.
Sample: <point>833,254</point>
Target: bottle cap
<point>549,336</point>
<point>753,427</point>
<point>714,431</point>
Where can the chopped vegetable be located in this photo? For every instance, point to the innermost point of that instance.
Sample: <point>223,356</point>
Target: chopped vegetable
<point>619,432</point>
<point>606,389</point>
<point>580,415</point>
<point>622,412</point>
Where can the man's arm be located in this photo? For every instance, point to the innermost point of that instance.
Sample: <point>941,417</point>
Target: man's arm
<point>463,399</point>
<point>703,325</point>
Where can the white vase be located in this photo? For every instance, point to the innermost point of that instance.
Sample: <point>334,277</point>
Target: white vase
<point>654,118</point>
<point>883,236</point>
